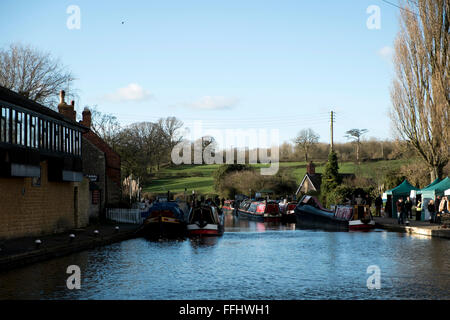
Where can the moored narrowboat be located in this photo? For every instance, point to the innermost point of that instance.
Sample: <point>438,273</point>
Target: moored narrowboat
<point>261,210</point>
<point>310,213</point>
<point>228,206</point>
<point>288,211</point>
<point>205,220</point>
<point>165,219</point>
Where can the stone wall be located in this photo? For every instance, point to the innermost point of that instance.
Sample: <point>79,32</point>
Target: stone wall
<point>32,210</point>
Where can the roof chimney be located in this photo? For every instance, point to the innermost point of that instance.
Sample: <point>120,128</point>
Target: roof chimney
<point>86,118</point>
<point>66,110</point>
<point>62,94</point>
<point>311,168</point>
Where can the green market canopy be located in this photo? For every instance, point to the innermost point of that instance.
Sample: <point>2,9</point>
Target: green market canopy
<point>431,192</point>
<point>438,189</point>
<point>436,181</point>
<point>401,191</point>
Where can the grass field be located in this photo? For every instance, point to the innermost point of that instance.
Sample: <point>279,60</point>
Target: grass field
<point>200,177</point>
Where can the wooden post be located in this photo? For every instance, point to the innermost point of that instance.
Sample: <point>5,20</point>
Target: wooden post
<point>331,129</point>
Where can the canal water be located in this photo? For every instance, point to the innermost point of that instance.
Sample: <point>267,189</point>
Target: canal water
<point>252,260</point>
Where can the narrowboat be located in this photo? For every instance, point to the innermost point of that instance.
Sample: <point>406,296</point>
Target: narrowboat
<point>310,213</point>
<point>228,206</point>
<point>261,210</point>
<point>288,211</point>
<point>165,219</point>
<point>205,220</point>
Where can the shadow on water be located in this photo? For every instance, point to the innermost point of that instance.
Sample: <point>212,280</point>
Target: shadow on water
<point>197,241</point>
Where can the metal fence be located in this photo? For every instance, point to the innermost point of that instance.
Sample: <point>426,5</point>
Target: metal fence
<point>124,215</point>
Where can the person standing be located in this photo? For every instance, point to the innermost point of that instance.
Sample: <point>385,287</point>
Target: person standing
<point>444,205</point>
<point>388,208</point>
<point>368,200</point>
<point>408,208</point>
<point>401,211</point>
<point>418,210</point>
<point>443,208</point>
<point>436,203</point>
<point>432,210</point>
<point>378,204</point>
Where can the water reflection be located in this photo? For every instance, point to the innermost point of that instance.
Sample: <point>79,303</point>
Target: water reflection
<point>242,224</point>
<point>199,242</point>
<point>252,260</point>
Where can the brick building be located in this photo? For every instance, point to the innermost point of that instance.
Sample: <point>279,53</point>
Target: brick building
<point>42,188</point>
<point>102,165</point>
<point>312,181</point>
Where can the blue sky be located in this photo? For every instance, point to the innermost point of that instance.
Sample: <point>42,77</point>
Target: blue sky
<point>232,64</point>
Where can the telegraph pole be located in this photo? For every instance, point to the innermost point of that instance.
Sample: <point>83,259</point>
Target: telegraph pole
<point>331,128</point>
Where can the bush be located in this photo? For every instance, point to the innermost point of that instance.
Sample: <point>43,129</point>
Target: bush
<point>344,193</point>
<point>242,182</point>
<point>226,169</point>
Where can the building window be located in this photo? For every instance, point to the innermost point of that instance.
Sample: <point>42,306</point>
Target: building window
<point>56,137</point>
<point>27,129</point>
<point>66,140</point>
<point>51,136</point>
<point>4,125</point>
<point>20,128</point>
<point>40,134</point>
<point>77,143</point>
<point>33,132</point>
<point>70,141</point>
<point>48,134</point>
<point>43,133</point>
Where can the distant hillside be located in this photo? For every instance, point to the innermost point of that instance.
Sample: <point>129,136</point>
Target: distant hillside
<point>200,177</point>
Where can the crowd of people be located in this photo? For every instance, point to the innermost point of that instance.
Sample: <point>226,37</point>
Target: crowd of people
<point>435,208</point>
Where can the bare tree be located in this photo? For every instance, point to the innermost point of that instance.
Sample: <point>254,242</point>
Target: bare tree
<point>305,139</point>
<point>420,91</point>
<point>355,135</point>
<point>34,74</point>
<point>144,146</point>
<point>106,126</point>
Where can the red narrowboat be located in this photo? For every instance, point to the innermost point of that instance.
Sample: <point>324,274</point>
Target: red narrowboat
<point>262,210</point>
<point>228,206</point>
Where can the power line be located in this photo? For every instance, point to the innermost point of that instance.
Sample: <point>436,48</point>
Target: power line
<point>397,6</point>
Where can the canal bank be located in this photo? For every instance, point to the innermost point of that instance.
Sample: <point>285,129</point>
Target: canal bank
<point>20,252</point>
<point>414,227</point>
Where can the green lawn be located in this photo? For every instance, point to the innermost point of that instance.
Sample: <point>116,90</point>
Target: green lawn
<point>200,177</point>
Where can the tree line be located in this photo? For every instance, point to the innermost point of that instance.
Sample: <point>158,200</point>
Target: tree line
<point>420,95</point>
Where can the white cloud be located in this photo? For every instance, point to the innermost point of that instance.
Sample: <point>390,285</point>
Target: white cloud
<point>132,92</point>
<point>213,103</point>
<point>386,52</point>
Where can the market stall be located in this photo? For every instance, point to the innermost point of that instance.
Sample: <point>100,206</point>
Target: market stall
<point>430,193</point>
<point>403,190</point>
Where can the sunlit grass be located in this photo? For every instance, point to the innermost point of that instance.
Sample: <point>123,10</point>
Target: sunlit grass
<point>200,177</point>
